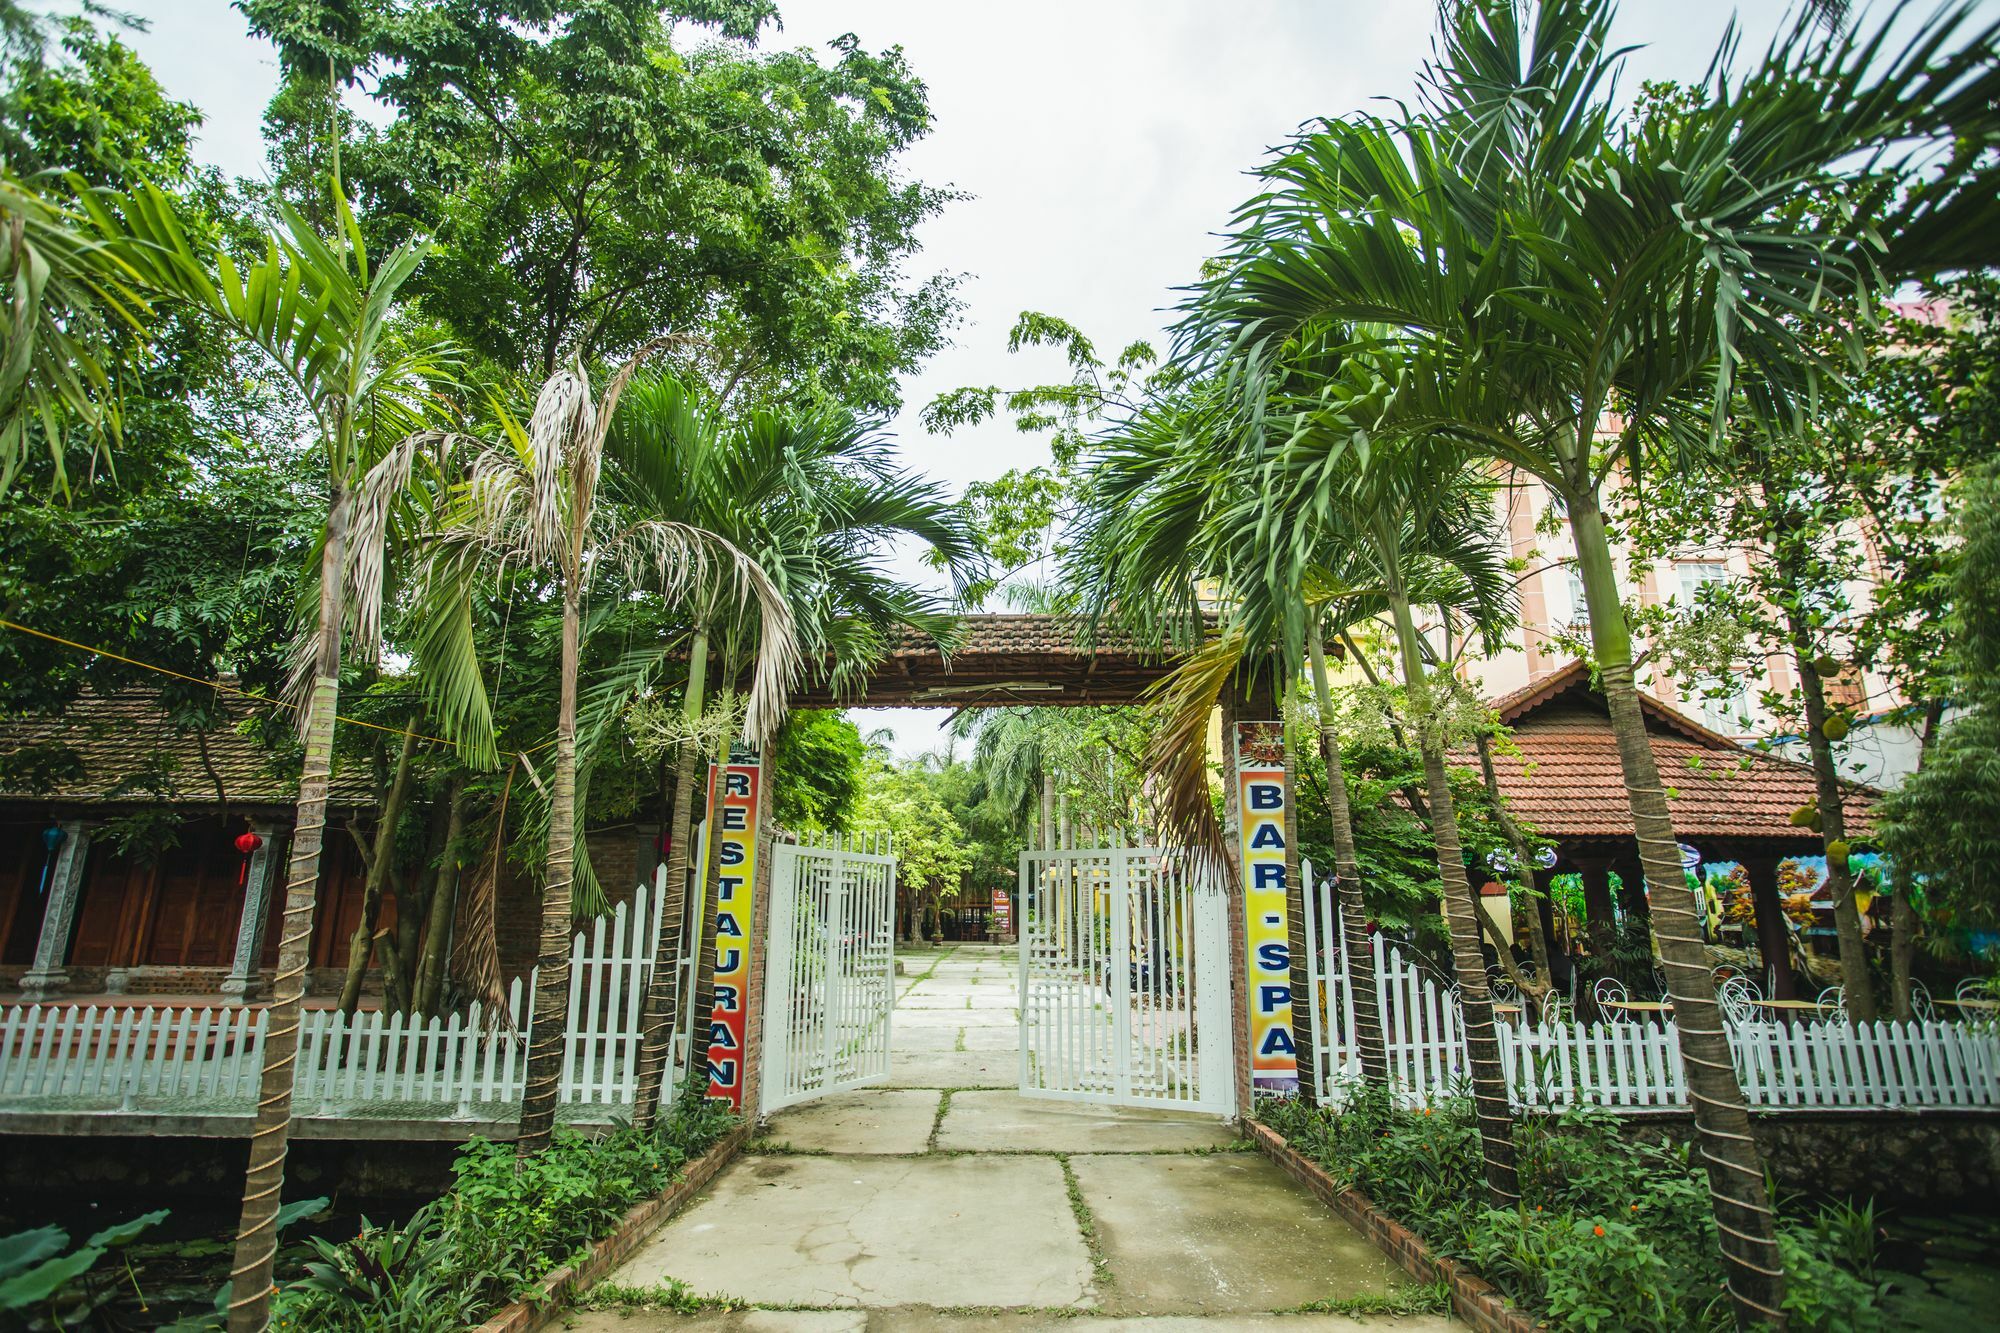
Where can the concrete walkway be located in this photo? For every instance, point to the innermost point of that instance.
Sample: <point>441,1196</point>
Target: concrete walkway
<point>947,1200</point>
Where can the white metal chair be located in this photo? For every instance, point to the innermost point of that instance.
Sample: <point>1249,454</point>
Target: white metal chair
<point>1833,1004</point>
<point>1610,992</point>
<point>1921,1006</point>
<point>1738,996</point>
<point>1973,988</point>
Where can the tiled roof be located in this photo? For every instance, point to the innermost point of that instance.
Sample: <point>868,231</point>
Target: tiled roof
<point>985,635</point>
<point>1567,783</point>
<point>1003,659</point>
<point>124,738</point>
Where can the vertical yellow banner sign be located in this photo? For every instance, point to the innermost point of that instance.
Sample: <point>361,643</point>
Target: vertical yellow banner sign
<point>1262,796</point>
<point>735,878</point>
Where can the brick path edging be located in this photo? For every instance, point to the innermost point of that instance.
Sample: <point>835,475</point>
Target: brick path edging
<point>1473,1299</point>
<point>554,1292</point>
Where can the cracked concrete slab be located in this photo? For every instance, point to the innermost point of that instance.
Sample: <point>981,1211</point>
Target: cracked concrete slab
<point>953,1069</point>
<point>871,1121</point>
<point>876,1232</point>
<point>1007,1121</point>
<point>1220,1234</point>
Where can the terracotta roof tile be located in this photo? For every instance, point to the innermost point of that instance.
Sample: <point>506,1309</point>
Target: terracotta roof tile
<point>121,736</point>
<point>1567,782</point>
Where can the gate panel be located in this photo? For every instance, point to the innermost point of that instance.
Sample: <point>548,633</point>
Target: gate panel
<point>1124,980</point>
<point>830,982</point>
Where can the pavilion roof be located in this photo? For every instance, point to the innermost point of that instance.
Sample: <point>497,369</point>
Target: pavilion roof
<point>1567,783</point>
<point>1003,659</point>
<point>124,749</point>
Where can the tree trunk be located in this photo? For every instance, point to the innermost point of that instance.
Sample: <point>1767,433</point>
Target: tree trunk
<point>1048,812</point>
<point>443,907</point>
<point>547,1033</point>
<point>1856,985</point>
<point>1903,918</point>
<point>1742,1207</point>
<point>663,991</point>
<point>1482,1043</point>
<point>257,1233</point>
<point>1368,1040</point>
<point>380,859</point>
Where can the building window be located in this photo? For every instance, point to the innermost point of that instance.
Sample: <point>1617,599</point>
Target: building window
<point>1724,704</point>
<point>1562,590</point>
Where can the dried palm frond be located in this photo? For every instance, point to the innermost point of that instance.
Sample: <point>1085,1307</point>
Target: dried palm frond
<point>679,559</point>
<point>475,950</point>
<point>1183,701</point>
<point>564,419</point>
<point>367,541</point>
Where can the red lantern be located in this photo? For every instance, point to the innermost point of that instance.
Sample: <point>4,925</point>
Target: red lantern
<point>246,843</point>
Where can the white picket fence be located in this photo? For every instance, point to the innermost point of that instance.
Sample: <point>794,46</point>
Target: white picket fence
<point>1807,1064</point>
<point>203,1059</point>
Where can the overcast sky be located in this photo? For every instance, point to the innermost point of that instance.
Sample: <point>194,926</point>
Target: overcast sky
<point>1101,142</point>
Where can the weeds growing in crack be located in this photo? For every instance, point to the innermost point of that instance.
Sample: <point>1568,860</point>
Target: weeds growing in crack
<point>937,1124</point>
<point>1079,1207</point>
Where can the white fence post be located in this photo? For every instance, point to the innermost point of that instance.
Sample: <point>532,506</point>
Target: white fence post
<point>1816,1064</point>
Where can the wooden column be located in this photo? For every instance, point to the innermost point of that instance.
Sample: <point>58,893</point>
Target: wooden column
<point>1632,889</point>
<point>241,983</point>
<point>49,974</point>
<point>1773,938</point>
<point>1597,913</point>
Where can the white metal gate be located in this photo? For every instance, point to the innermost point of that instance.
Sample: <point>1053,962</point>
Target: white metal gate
<point>1124,980</point>
<point>830,983</point>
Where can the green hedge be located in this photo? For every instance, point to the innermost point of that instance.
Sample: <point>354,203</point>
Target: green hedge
<point>1610,1234</point>
<point>505,1224</point>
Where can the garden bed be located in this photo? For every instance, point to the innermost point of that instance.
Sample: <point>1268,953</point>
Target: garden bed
<point>1473,1299</point>
<point>554,1292</point>
<point>1608,1234</point>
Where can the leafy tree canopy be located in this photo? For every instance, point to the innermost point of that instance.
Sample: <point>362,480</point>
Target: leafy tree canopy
<point>595,179</point>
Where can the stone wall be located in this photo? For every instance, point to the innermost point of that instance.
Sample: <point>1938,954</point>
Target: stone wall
<point>623,857</point>
<point>1911,1157</point>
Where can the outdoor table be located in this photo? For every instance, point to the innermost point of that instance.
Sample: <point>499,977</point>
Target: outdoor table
<point>1645,1008</point>
<point>1976,1006</point>
<point>1787,1010</point>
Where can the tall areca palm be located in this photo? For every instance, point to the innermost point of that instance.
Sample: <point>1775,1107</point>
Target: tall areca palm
<point>324,321</point>
<point>1554,269</point>
<point>531,497</point>
<point>1172,510</point>
<point>815,497</point>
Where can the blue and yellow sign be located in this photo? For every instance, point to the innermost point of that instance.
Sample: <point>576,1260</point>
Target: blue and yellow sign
<point>1263,793</point>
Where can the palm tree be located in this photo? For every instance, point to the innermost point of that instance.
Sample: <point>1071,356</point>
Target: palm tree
<point>531,497</point>
<point>815,497</point>
<point>1168,511</point>
<point>324,321</point>
<point>1552,270</point>
<point>70,300</point>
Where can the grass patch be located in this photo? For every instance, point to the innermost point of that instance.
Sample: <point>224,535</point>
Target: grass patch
<point>1431,1298</point>
<point>1079,1207</point>
<point>671,1296</point>
<point>958,1043</point>
<point>780,1148</point>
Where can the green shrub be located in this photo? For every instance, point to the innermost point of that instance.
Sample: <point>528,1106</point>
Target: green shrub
<point>1611,1233</point>
<point>505,1224</point>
